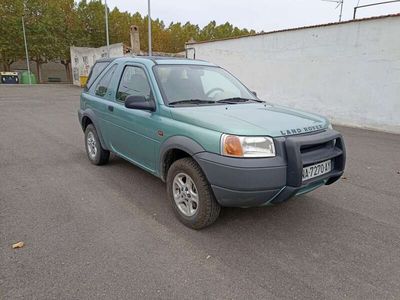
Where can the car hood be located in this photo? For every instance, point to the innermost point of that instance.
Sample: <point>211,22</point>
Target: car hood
<point>251,119</point>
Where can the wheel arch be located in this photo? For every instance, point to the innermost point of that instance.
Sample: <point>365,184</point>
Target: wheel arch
<point>89,117</point>
<point>85,122</point>
<point>175,148</point>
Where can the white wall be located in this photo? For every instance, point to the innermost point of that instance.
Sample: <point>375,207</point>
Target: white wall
<point>349,72</point>
<point>83,58</point>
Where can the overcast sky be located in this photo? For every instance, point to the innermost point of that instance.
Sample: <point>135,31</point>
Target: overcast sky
<point>256,14</point>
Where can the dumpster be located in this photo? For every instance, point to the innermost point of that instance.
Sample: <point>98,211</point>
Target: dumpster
<point>9,77</point>
<point>25,78</point>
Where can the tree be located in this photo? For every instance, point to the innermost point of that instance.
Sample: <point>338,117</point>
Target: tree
<point>70,32</point>
<point>119,26</point>
<point>52,27</point>
<point>11,35</point>
<point>213,31</point>
<point>179,35</point>
<point>41,19</point>
<point>91,17</point>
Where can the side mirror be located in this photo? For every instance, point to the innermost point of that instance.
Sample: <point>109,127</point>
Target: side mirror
<point>254,93</point>
<point>139,102</point>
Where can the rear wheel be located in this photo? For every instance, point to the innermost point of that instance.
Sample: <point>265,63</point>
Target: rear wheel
<point>95,152</point>
<point>190,194</point>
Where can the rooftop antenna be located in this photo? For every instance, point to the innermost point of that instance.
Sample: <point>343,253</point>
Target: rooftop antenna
<point>371,4</point>
<point>339,3</point>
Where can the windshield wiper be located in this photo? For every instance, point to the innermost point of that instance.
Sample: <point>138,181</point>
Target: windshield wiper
<point>233,100</point>
<point>192,101</point>
<point>236,100</point>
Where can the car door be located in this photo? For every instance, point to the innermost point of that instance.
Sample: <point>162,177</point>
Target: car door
<point>98,99</point>
<point>132,132</point>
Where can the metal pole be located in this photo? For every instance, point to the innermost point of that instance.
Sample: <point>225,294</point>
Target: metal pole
<point>339,3</point>
<point>341,11</point>
<point>107,37</point>
<point>149,29</point>
<point>26,50</point>
<point>372,4</point>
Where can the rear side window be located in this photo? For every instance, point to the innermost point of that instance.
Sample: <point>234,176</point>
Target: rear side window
<point>96,70</point>
<point>102,86</point>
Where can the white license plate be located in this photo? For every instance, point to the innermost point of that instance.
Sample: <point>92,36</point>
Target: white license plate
<point>317,170</point>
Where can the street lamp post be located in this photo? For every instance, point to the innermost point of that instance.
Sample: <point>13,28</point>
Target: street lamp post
<point>149,29</point>
<point>107,37</point>
<point>26,49</point>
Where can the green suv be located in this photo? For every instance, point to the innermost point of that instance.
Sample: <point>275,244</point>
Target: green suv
<point>200,130</point>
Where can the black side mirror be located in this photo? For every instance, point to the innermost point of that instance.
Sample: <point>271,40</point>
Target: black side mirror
<point>254,93</point>
<point>139,102</point>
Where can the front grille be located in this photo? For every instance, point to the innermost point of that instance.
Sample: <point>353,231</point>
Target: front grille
<point>315,147</point>
<point>303,151</point>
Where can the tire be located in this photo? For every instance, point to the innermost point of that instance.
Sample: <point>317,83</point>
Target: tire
<point>95,152</point>
<point>196,215</point>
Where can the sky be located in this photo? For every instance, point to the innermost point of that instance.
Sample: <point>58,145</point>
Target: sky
<point>260,15</point>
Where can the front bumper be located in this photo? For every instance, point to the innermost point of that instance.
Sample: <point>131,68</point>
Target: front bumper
<point>246,182</point>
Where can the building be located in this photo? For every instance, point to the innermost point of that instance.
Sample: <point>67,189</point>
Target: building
<point>348,71</point>
<point>83,58</point>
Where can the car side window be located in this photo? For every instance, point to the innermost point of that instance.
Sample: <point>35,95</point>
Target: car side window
<point>103,85</point>
<point>134,83</point>
<point>95,72</point>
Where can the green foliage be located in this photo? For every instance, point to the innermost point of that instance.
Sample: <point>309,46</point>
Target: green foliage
<point>11,36</point>
<point>42,32</point>
<point>53,26</point>
<point>91,17</point>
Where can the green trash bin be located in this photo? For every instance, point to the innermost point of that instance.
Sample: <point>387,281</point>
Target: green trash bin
<point>25,77</point>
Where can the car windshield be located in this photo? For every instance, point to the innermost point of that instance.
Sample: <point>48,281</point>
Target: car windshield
<point>194,84</point>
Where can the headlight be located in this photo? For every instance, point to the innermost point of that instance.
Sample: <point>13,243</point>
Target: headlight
<point>247,146</point>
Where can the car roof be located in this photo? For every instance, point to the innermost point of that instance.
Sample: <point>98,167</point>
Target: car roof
<point>160,60</point>
<point>106,59</point>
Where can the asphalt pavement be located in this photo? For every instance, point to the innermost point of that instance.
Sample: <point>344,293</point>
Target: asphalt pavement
<point>108,232</point>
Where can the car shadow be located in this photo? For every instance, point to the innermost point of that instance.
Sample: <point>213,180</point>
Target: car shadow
<point>148,192</point>
<point>131,179</point>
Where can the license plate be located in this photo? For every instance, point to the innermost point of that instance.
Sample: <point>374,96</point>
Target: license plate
<point>317,170</point>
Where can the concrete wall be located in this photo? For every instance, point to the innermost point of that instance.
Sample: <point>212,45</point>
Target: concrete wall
<point>83,58</point>
<point>349,72</point>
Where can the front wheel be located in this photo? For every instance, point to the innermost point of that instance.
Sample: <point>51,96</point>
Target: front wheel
<point>190,194</point>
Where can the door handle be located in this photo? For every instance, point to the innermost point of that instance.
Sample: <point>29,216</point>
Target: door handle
<point>111,108</point>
